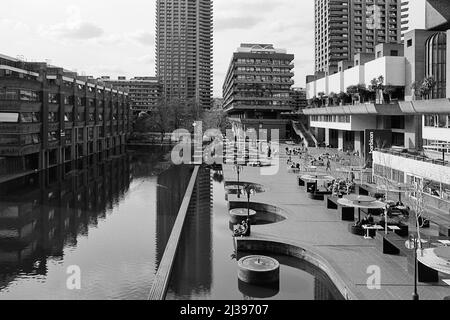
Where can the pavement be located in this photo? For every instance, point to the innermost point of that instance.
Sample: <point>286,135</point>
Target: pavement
<point>311,225</point>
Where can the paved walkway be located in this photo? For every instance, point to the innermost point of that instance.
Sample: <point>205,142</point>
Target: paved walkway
<point>311,225</point>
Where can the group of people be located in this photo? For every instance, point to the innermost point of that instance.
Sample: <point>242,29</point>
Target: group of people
<point>296,151</point>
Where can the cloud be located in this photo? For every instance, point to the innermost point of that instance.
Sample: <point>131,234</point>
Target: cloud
<point>147,59</point>
<point>229,23</point>
<point>144,38</point>
<point>73,28</point>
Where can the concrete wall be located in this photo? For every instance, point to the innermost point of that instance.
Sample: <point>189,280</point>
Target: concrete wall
<point>310,90</point>
<point>439,134</point>
<point>391,68</point>
<point>322,85</point>
<point>336,83</point>
<point>353,76</point>
<point>415,59</point>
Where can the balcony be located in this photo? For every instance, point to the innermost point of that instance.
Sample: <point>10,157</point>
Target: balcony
<point>20,127</point>
<point>17,151</point>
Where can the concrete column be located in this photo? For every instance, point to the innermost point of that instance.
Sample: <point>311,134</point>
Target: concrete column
<point>358,142</point>
<point>327,136</point>
<point>341,140</point>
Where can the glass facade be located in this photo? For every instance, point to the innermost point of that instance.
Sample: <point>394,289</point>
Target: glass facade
<point>435,65</point>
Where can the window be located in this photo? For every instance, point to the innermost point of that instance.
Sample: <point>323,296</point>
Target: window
<point>9,117</point>
<point>9,139</point>
<point>28,95</point>
<point>435,63</point>
<point>52,117</point>
<point>52,136</point>
<point>53,98</point>
<point>29,117</point>
<point>8,94</point>
<point>68,116</point>
<point>409,43</point>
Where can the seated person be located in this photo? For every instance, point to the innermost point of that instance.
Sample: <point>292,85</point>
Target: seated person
<point>298,166</point>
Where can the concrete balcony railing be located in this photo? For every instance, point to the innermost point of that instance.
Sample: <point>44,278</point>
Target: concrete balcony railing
<point>20,127</point>
<point>414,156</point>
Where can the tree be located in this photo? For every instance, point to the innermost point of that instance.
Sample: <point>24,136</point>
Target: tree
<point>427,87</point>
<point>343,97</point>
<point>216,118</point>
<point>334,100</point>
<point>389,90</point>
<point>321,96</point>
<point>358,92</point>
<point>377,86</point>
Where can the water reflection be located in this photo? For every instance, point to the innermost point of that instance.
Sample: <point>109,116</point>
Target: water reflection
<point>45,212</point>
<point>206,267</point>
<point>192,271</point>
<point>111,218</point>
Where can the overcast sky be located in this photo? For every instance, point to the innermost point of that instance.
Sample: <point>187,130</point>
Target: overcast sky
<point>116,37</point>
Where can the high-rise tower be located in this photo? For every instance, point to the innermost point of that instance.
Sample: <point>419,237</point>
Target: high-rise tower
<point>184,31</point>
<point>346,27</point>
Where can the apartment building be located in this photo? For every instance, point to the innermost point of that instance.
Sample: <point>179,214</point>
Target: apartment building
<point>346,27</point>
<point>184,36</point>
<point>257,88</point>
<point>144,92</point>
<point>50,116</point>
<point>406,139</point>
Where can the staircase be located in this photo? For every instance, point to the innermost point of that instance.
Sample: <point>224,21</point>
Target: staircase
<point>307,136</point>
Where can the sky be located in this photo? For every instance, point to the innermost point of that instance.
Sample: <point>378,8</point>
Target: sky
<point>117,37</point>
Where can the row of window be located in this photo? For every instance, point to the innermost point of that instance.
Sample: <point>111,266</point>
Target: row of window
<point>330,118</point>
<point>437,121</point>
<point>429,187</point>
<point>34,117</point>
<point>53,98</point>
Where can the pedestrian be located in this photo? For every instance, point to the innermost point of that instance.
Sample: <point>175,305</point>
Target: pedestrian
<point>328,165</point>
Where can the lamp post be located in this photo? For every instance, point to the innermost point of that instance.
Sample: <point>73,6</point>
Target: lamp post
<point>412,243</point>
<point>237,168</point>
<point>249,190</point>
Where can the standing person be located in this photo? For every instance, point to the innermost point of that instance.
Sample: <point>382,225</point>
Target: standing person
<point>269,152</point>
<point>328,165</point>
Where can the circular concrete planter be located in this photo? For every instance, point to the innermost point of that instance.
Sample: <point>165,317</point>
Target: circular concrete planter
<point>259,270</point>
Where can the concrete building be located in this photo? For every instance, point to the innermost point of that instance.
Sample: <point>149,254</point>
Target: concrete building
<point>346,27</point>
<point>50,116</point>
<point>413,15</point>
<point>144,92</point>
<point>405,139</point>
<point>257,88</point>
<point>184,35</point>
<point>298,99</point>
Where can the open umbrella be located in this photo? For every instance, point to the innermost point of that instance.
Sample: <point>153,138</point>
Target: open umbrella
<point>361,202</point>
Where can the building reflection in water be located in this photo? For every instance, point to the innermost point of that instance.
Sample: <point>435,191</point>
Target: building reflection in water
<point>192,270</point>
<point>171,188</point>
<point>43,213</point>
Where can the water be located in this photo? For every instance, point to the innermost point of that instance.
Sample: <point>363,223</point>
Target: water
<point>112,220</point>
<point>206,268</point>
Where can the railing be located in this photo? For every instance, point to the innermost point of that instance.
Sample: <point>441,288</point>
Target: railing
<point>421,158</point>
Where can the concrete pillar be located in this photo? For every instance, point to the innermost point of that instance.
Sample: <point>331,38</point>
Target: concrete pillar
<point>327,136</point>
<point>341,140</point>
<point>358,142</point>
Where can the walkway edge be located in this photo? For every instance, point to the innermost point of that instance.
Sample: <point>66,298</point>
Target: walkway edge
<point>162,277</point>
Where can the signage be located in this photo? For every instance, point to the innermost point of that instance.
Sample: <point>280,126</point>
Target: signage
<point>376,139</point>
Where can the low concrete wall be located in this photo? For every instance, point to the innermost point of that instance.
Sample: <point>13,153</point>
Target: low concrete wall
<point>292,250</point>
<point>162,277</point>
<point>264,213</point>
